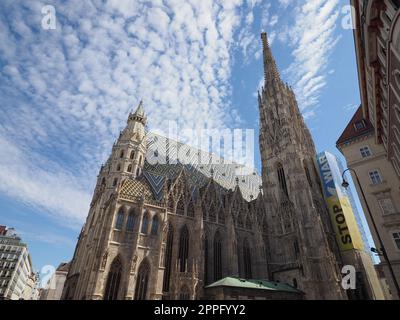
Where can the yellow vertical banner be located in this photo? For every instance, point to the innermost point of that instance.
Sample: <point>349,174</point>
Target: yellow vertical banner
<point>344,223</point>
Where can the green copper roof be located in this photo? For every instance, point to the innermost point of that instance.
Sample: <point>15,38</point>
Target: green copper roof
<point>253,284</point>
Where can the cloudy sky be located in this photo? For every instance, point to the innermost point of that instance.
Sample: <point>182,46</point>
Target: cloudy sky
<point>65,94</point>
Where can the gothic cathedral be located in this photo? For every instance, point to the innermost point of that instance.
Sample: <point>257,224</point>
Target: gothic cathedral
<point>172,231</point>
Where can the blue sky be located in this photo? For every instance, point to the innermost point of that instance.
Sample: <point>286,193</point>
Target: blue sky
<point>65,94</point>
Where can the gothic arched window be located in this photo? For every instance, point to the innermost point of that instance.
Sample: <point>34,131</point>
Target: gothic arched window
<point>168,258</point>
<point>247,260</point>
<point>206,270</point>
<point>142,281</point>
<point>131,220</point>
<point>217,256</point>
<point>183,249</point>
<point>185,293</point>
<point>113,280</point>
<point>154,226</point>
<point>282,179</point>
<point>115,182</point>
<point>121,155</point>
<point>132,155</point>
<point>118,167</point>
<point>129,168</point>
<point>307,173</point>
<point>145,223</point>
<point>120,219</point>
<point>138,172</point>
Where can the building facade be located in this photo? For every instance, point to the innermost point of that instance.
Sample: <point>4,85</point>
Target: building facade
<point>17,279</point>
<point>380,185</point>
<point>170,230</point>
<point>371,141</point>
<point>377,41</point>
<point>55,286</point>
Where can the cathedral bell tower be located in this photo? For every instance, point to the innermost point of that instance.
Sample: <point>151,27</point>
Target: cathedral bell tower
<point>303,251</point>
<point>128,154</point>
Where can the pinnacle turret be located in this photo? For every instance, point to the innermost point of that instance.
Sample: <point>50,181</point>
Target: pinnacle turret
<point>139,114</point>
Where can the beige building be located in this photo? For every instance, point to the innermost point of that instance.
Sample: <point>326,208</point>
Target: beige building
<point>371,141</point>
<point>380,185</point>
<point>55,285</point>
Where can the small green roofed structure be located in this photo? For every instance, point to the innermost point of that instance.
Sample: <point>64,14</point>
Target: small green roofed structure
<point>251,289</point>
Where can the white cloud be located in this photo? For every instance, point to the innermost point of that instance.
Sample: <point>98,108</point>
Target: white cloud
<point>66,93</point>
<point>312,37</point>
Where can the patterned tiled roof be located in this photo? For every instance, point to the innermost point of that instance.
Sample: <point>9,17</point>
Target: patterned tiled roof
<point>135,189</point>
<point>200,166</point>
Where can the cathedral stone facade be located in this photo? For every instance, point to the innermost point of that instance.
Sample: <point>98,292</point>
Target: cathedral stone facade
<point>169,230</point>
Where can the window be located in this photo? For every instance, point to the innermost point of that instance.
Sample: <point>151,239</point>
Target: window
<point>247,260</point>
<point>206,271</point>
<point>359,125</point>
<point>115,182</point>
<point>142,281</point>
<point>308,175</point>
<point>387,206</point>
<point>121,155</point>
<point>168,258</point>
<point>130,168</point>
<point>396,238</point>
<point>145,223</point>
<point>282,179</point>
<point>375,177</point>
<point>154,226</point>
<point>118,167</point>
<point>365,152</point>
<point>217,257</point>
<point>113,280</point>
<point>184,249</point>
<point>132,155</point>
<point>131,221</point>
<point>120,219</point>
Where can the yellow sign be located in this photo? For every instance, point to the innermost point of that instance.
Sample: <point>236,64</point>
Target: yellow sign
<point>344,223</point>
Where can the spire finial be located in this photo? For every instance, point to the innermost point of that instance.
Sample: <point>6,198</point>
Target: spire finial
<point>271,72</point>
<point>139,110</point>
<point>138,115</point>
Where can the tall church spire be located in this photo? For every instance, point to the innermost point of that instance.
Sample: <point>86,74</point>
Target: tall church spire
<point>271,73</point>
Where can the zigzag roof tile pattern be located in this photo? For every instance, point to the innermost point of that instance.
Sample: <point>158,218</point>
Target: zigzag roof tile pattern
<point>162,163</point>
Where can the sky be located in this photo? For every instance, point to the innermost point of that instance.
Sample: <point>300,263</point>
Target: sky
<point>65,93</point>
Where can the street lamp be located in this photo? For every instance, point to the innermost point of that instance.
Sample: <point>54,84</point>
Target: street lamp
<point>382,250</point>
